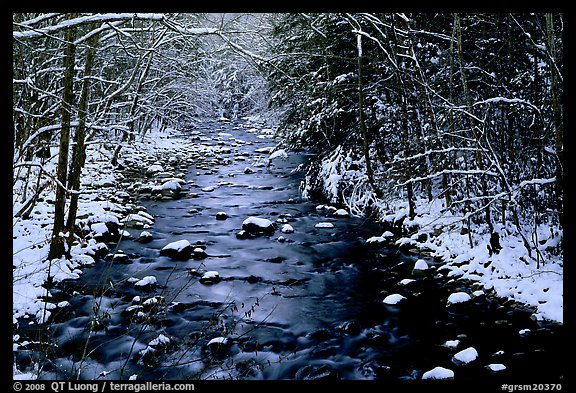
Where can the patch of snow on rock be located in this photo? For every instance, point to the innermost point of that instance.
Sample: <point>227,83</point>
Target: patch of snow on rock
<point>146,281</point>
<point>451,343</point>
<point>466,355</point>
<point>177,245</point>
<point>420,265</point>
<point>458,297</point>
<point>496,367</point>
<point>438,373</point>
<point>393,299</point>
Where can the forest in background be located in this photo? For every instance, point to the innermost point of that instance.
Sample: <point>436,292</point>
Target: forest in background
<point>457,113</point>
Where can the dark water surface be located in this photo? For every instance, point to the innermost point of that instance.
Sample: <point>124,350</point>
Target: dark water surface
<point>309,307</point>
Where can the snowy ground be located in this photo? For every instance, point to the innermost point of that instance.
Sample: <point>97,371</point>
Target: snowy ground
<point>511,273</point>
<point>504,273</point>
<point>96,206</point>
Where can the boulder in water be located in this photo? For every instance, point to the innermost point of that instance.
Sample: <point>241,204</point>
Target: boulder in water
<point>145,237</point>
<point>221,216</point>
<point>439,373</point>
<point>169,189</point>
<point>180,249</point>
<point>210,277</point>
<point>258,226</point>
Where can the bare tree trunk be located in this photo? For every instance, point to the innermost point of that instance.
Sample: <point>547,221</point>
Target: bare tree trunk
<point>473,126</point>
<point>362,122</point>
<point>79,150</point>
<point>558,121</point>
<point>131,129</point>
<point>403,95</point>
<point>57,245</point>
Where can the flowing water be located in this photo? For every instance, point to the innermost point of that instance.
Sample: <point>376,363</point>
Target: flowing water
<point>305,306</point>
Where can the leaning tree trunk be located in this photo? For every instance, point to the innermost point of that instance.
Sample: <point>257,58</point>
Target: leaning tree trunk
<point>57,245</point>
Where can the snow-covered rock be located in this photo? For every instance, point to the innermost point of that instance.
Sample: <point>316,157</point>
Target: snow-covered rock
<point>287,228</point>
<point>152,169</point>
<point>180,249</point>
<point>218,341</point>
<point>159,342</point>
<point>99,228</point>
<point>496,367</point>
<point>210,277</point>
<point>105,231</point>
<point>137,220</point>
<point>144,237</point>
<point>395,298</point>
<point>199,253</point>
<point>438,373</point>
<point>221,216</point>
<point>451,343</point>
<point>150,303</point>
<point>265,150</point>
<point>256,225</point>
<point>457,297</point>
<point>524,332</point>
<point>420,266</point>
<point>120,257</point>
<point>406,281</point>
<point>375,241</point>
<point>242,234</point>
<point>478,293</point>
<point>278,154</point>
<point>168,189</point>
<point>146,282</point>
<point>324,225</point>
<point>340,213</point>
<point>465,356</point>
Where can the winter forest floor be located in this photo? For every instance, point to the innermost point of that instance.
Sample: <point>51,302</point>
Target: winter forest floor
<point>507,274</point>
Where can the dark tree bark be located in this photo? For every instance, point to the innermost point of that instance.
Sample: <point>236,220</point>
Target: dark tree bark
<point>362,123</point>
<point>57,245</point>
<point>557,113</point>
<point>472,122</point>
<point>79,150</point>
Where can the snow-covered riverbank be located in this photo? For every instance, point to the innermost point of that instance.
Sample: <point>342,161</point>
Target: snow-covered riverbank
<point>108,201</point>
<point>535,280</point>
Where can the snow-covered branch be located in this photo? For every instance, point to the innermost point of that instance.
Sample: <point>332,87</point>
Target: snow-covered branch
<point>468,172</point>
<point>507,101</point>
<point>398,160</point>
<point>82,20</point>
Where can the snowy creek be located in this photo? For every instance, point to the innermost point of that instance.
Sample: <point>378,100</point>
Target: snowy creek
<point>306,304</point>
